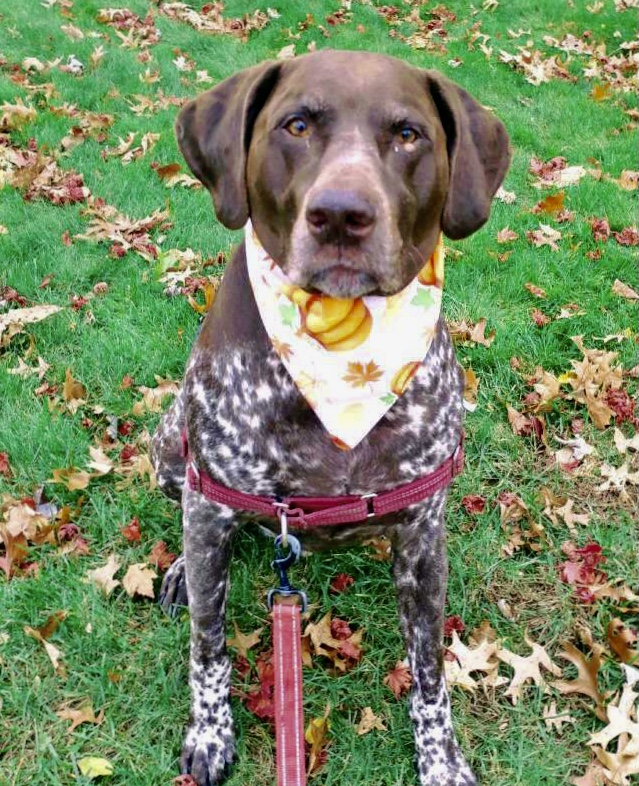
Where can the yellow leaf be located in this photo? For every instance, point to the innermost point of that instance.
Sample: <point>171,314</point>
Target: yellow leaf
<point>94,767</point>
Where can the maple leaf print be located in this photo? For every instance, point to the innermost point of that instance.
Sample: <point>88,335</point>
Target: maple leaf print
<point>283,349</point>
<point>423,297</point>
<point>359,374</point>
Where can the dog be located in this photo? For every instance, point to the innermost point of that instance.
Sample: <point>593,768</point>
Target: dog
<point>349,165</point>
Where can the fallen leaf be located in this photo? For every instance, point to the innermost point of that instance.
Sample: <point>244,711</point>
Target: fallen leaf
<point>316,735</point>
<point>78,715</point>
<point>138,580</point>
<point>535,290</point>
<point>506,235</point>
<point>369,721</point>
<point>95,767</point>
<point>103,577</point>
<point>467,660</point>
<point>527,669</point>
<point>554,719</point>
<point>399,679</point>
<point>622,640</point>
<point>623,290</point>
<point>244,642</point>
<point>586,682</point>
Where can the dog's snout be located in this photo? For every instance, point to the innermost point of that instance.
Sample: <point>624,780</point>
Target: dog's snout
<point>336,215</point>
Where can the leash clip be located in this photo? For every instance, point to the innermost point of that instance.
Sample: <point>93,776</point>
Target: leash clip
<point>281,563</point>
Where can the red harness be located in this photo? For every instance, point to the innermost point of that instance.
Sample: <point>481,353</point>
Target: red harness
<point>304,513</point>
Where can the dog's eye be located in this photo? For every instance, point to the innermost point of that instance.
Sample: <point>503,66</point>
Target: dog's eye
<point>297,127</point>
<point>408,135</point>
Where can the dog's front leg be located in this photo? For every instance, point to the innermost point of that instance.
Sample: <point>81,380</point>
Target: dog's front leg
<point>209,742</point>
<point>420,570</point>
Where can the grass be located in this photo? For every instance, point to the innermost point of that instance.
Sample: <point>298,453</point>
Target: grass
<point>124,654</point>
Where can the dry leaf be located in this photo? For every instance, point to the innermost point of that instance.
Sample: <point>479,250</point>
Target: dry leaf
<point>316,735</point>
<point>467,660</point>
<point>622,640</point>
<point>586,681</point>
<point>138,580</point>
<point>554,719</point>
<point>243,642</point>
<point>527,669</point>
<point>369,721</point>
<point>82,714</point>
<point>399,679</point>
<point>623,290</point>
<point>103,577</point>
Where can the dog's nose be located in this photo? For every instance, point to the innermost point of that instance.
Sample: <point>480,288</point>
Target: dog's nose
<point>336,214</point>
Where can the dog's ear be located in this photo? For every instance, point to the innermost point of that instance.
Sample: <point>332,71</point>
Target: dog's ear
<point>478,156</point>
<point>214,132</point>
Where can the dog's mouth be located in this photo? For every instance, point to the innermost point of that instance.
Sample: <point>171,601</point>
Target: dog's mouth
<point>343,281</point>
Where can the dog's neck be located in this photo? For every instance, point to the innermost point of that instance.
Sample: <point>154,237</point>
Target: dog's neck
<point>350,358</point>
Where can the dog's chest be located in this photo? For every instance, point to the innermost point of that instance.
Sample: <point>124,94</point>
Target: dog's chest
<point>251,429</point>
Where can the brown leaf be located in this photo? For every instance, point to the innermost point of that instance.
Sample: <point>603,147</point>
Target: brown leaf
<point>622,640</point>
<point>369,721</point>
<point>132,530</point>
<point>82,714</point>
<point>554,719</point>
<point>73,391</point>
<point>161,557</point>
<point>506,235</point>
<point>539,318</point>
<point>71,477</point>
<point>623,290</point>
<point>467,660</point>
<point>553,203</point>
<point>477,334</point>
<point>535,290</point>
<point>586,682</point>
<point>244,642</point>
<point>544,236</point>
<point>600,229</point>
<point>627,237</point>
<point>399,679</point>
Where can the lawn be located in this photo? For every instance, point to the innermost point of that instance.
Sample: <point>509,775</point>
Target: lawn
<point>542,535</point>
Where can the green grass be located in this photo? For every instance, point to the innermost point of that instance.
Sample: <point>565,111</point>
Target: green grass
<point>138,331</point>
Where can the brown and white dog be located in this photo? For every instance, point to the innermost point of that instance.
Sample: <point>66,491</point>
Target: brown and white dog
<point>349,165</point>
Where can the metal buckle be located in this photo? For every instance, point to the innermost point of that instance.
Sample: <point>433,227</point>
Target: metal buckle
<point>281,563</point>
<point>370,510</point>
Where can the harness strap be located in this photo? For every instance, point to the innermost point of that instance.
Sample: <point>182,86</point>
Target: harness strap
<point>303,513</point>
<point>289,718</point>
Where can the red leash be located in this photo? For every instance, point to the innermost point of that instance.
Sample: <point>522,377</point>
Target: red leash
<point>289,715</point>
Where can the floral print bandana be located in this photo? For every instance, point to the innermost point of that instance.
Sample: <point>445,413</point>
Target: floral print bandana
<point>350,358</point>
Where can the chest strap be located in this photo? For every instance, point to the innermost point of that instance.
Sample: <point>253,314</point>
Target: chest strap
<point>305,513</point>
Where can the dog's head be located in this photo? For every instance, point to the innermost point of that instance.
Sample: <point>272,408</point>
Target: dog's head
<point>349,164</point>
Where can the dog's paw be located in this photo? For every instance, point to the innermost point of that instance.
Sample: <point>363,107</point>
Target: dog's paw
<point>207,754</point>
<point>173,594</point>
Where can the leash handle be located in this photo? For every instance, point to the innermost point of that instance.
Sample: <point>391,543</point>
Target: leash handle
<point>289,714</point>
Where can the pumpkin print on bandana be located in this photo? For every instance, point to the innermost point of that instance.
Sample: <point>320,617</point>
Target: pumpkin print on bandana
<point>351,358</point>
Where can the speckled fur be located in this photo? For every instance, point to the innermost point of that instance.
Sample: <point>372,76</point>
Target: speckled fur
<point>248,426</point>
<point>234,407</point>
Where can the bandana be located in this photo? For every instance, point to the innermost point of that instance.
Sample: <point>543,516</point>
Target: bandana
<point>351,359</point>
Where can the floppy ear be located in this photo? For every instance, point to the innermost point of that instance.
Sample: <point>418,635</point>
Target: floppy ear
<point>478,156</point>
<point>214,132</point>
